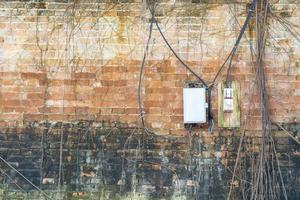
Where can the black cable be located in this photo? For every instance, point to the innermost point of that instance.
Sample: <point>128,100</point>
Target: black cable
<point>173,51</point>
<point>234,49</point>
<point>220,69</point>
<point>210,115</point>
<point>230,56</point>
<point>176,55</point>
<point>250,12</point>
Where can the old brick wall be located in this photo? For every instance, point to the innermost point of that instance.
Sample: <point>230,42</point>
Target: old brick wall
<point>66,62</point>
<point>79,63</point>
<point>102,162</point>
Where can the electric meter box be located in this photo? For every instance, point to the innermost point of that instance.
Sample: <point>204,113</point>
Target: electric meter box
<point>228,105</point>
<point>194,105</point>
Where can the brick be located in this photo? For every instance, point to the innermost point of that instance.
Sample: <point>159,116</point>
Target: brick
<point>107,83</point>
<point>118,111</point>
<point>58,117</point>
<point>101,90</point>
<point>9,117</point>
<point>34,102</point>
<point>55,82</point>
<point>12,103</point>
<point>48,110</point>
<point>13,109</point>
<point>31,75</point>
<point>33,117</point>
<point>85,75</point>
<point>131,110</point>
<point>11,95</point>
<point>109,69</point>
<point>177,119</point>
<point>120,83</point>
<point>58,96</point>
<point>153,104</point>
<point>35,95</point>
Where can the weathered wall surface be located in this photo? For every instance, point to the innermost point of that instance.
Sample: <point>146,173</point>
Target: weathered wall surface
<point>100,162</point>
<point>79,63</point>
<point>105,163</point>
<point>66,62</point>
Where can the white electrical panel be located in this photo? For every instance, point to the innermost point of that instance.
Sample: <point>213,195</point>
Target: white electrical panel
<point>228,100</point>
<point>194,105</point>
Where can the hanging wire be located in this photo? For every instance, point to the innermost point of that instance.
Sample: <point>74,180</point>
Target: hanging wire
<point>237,42</point>
<point>287,26</point>
<point>174,52</point>
<point>266,185</point>
<point>288,133</point>
<point>142,113</point>
<point>151,8</point>
<point>229,57</point>
<point>12,180</point>
<point>33,185</point>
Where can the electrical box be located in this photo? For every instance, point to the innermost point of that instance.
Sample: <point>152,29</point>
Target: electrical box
<point>194,105</point>
<point>229,105</point>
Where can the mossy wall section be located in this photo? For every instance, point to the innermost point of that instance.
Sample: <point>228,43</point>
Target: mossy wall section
<point>100,162</point>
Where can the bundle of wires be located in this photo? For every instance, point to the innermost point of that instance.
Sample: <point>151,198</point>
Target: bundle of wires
<point>151,6</point>
<point>264,183</point>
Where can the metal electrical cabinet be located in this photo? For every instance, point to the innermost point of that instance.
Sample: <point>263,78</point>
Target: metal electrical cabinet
<point>229,105</point>
<point>194,105</point>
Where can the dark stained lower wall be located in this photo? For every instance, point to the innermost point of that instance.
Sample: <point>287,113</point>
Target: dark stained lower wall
<point>101,162</point>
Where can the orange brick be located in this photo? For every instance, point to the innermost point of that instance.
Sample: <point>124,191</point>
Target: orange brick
<point>35,96</point>
<point>101,90</point>
<point>178,111</point>
<point>153,104</point>
<point>60,96</point>
<point>68,110</point>
<point>56,82</point>
<point>156,110</point>
<point>13,109</point>
<point>59,117</point>
<point>118,111</point>
<point>85,75</point>
<point>11,95</point>
<point>8,117</point>
<point>83,82</point>
<point>107,83</point>
<point>131,110</point>
<point>34,102</point>
<point>120,83</point>
<point>33,117</point>
<point>12,103</point>
<point>41,77</point>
